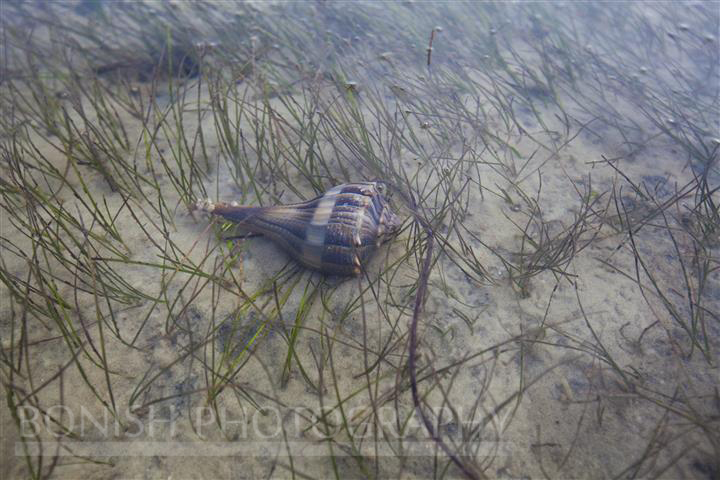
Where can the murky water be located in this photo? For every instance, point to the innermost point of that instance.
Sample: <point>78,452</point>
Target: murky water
<point>556,167</point>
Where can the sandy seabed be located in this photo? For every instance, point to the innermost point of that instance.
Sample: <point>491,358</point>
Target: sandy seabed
<point>564,156</point>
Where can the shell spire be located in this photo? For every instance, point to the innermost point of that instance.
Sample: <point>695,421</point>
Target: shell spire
<point>335,232</point>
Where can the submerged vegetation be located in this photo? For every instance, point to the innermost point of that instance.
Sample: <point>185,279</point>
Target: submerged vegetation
<point>549,309</point>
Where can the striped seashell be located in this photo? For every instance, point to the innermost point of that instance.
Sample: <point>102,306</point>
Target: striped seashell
<point>334,233</point>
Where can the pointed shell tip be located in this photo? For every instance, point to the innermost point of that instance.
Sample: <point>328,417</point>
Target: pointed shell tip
<point>205,205</point>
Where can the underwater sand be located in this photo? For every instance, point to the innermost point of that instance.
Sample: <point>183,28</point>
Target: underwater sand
<point>600,361</point>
